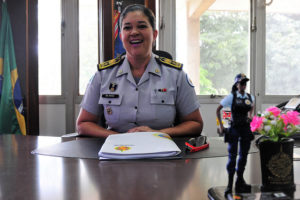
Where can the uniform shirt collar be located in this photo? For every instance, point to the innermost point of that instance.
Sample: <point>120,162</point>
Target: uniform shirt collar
<point>152,67</point>
<point>239,95</point>
<point>124,68</point>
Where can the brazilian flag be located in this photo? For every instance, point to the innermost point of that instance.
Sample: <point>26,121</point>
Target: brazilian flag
<point>11,107</point>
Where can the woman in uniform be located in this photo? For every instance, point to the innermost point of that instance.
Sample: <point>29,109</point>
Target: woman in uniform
<point>241,104</point>
<point>139,91</point>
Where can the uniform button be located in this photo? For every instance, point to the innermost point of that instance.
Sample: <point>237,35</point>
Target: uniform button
<point>136,89</point>
<point>135,107</point>
<point>163,101</point>
<point>109,101</point>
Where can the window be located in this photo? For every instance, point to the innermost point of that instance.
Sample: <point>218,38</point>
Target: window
<point>213,42</point>
<point>49,39</point>
<point>88,41</point>
<point>68,57</point>
<point>282,48</point>
<point>49,23</point>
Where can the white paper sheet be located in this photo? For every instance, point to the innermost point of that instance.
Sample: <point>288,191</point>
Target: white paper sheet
<point>138,145</point>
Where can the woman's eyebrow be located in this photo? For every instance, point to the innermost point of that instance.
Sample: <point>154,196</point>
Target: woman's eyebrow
<point>139,22</point>
<point>142,22</point>
<point>127,23</point>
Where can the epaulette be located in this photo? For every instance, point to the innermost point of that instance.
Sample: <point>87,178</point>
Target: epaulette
<point>168,62</point>
<point>111,63</point>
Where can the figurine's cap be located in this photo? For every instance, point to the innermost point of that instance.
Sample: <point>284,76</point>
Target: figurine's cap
<point>240,78</point>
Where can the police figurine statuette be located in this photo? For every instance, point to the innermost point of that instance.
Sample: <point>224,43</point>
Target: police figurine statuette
<point>241,104</point>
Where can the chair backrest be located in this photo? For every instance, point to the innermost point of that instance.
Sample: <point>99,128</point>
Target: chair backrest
<point>163,54</point>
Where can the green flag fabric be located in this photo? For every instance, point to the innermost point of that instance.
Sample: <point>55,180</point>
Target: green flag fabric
<point>11,102</point>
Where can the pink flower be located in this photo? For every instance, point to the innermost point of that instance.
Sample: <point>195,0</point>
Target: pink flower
<point>292,117</point>
<point>256,123</point>
<point>274,110</point>
<point>285,119</point>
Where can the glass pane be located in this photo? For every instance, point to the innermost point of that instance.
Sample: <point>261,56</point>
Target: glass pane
<point>88,41</point>
<point>49,38</point>
<point>283,48</point>
<point>213,42</point>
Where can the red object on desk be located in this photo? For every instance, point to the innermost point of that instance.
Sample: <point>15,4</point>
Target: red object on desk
<point>194,149</point>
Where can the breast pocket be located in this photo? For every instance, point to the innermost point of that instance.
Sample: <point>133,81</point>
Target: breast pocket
<point>163,104</point>
<point>112,108</point>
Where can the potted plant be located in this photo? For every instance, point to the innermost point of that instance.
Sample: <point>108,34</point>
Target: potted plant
<point>276,147</point>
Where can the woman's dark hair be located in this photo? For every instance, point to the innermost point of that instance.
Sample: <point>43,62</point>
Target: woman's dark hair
<point>234,88</point>
<point>138,7</point>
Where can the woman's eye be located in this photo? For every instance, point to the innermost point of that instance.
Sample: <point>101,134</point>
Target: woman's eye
<point>126,27</point>
<point>142,26</point>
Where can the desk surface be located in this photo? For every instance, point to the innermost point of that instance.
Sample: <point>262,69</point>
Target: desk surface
<point>27,176</point>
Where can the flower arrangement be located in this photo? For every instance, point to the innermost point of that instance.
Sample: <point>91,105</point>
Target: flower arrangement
<point>275,125</point>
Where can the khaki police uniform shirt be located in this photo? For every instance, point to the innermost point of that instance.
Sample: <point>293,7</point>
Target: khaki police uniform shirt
<point>162,93</point>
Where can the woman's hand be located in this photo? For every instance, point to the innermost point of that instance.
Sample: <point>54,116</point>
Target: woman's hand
<point>220,130</point>
<point>87,124</point>
<point>218,112</point>
<point>141,129</point>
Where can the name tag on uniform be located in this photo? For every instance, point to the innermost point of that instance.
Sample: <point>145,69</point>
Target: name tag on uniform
<point>110,95</point>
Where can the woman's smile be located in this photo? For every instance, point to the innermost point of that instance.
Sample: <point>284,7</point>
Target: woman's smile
<point>135,42</point>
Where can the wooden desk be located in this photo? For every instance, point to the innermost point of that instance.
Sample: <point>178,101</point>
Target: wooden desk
<point>27,176</point>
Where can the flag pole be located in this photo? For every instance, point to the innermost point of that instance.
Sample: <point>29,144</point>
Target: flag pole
<point>118,3</point>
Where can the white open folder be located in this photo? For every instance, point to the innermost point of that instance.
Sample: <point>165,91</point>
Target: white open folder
<point>138,145</point>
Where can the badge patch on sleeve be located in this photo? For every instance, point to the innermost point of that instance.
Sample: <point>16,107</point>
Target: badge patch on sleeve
<point>92,78</point>
<point>189,81</point>
<point>247,102</point>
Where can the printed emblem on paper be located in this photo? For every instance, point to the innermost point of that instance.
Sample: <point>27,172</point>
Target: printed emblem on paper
<point>122,148</point>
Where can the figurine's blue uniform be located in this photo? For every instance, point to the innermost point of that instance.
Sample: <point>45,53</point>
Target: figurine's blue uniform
<point>239,131</point>
<point>161,94</point>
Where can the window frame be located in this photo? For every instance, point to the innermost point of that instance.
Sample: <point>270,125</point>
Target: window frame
<point>69,51</point>
<point>257,51</point>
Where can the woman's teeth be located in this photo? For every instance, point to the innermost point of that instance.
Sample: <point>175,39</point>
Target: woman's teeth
<point>136,41</point>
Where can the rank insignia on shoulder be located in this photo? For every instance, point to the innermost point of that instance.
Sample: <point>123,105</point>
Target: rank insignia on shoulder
<point>111,63</point>
<point>168,62</point>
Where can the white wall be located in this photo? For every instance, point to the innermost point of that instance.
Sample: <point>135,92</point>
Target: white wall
<point>208,112</point>
<point>52,119</point>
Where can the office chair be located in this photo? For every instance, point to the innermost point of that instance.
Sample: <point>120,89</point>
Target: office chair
<point>163,54</point>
